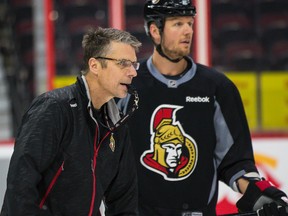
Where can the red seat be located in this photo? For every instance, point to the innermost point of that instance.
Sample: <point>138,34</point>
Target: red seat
<point>76,2</point>
<point>135,24</point>
<point>231,27</point>
<point>80,25</point>
<point>273,21</point>
<point>278,55</point>
<point>134,17</point>
<point>227,22</point>
<point>273,27</point>
<point>20,3</point>
<point>28,57</point>
<point>243,55</point>
<point>24,27</point>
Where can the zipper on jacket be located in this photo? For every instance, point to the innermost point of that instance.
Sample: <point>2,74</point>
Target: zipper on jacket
<point>94,164</point>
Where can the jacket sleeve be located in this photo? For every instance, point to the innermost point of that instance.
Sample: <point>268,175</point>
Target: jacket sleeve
<point>35,147</point>
<point>122,196</point>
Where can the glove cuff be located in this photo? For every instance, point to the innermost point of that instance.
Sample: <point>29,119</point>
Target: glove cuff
<point>251,176</point>
<point>257,194</point>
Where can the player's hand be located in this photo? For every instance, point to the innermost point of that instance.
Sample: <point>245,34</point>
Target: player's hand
<point>272,209</point>
<point>264,198</point>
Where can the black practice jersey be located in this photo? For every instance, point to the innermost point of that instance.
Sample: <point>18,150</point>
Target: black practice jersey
<point>189,132</point>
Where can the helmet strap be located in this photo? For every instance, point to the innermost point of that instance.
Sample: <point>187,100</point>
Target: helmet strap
<point>160,24</point>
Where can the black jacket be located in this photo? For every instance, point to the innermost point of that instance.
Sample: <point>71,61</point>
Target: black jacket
<point>58,128</point>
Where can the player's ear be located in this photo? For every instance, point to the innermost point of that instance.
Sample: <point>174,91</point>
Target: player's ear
<point>155,33</point>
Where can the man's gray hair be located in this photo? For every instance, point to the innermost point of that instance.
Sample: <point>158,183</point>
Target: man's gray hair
<point>96,42</point>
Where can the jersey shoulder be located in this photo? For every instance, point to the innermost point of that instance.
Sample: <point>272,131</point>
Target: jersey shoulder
<point>143,77</point>
<point>212,75</point>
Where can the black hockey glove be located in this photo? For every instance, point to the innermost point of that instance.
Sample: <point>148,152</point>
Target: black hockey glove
<point>264,198</point>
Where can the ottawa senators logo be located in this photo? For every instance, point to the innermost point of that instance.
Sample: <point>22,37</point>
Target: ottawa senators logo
<point>173,153</point>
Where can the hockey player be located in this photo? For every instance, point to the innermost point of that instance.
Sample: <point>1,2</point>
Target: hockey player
<point>190,131</point>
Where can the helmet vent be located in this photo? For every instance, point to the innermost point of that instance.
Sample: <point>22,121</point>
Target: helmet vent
<point>155,1</point>
<point>185,2</point>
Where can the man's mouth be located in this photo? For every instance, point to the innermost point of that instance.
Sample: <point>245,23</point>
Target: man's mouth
<point>186,41</point>
<point>124,84</point>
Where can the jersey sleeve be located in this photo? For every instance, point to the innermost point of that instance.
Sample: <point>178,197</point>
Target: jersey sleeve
<point>233,152</point>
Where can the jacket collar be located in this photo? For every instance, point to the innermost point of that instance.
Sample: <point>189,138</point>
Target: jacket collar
<point>112,109</point>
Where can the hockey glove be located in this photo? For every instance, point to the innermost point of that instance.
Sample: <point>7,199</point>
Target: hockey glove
<point>264,198</point>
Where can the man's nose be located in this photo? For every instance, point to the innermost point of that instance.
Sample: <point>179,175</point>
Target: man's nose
<point>132,72</point>
<point>188,29</point>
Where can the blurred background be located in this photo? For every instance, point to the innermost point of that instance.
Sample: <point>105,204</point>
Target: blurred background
<point>40,49</point>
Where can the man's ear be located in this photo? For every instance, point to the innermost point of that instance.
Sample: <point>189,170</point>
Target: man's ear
<point>155,33</point>
<point>94,65</point>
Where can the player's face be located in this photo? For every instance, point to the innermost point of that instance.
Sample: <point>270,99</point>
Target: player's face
<point>173,154</point>
<point>177,36</point>
<point>119,72</point>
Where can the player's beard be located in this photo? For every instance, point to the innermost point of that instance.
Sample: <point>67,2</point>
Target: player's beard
<point>175,52</point>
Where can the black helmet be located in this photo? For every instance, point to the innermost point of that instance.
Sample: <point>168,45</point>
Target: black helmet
<point>157,10</point>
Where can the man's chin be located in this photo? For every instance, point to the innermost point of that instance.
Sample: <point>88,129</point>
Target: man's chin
<point>122,95</point>
<point>185,53</point>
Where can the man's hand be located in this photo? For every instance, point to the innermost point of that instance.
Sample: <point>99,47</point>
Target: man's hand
<point>264,198</point>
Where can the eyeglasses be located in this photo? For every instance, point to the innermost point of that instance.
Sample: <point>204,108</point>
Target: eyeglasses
<point>125,63</point>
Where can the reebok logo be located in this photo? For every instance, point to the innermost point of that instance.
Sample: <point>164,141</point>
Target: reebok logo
<point>198,99</point>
